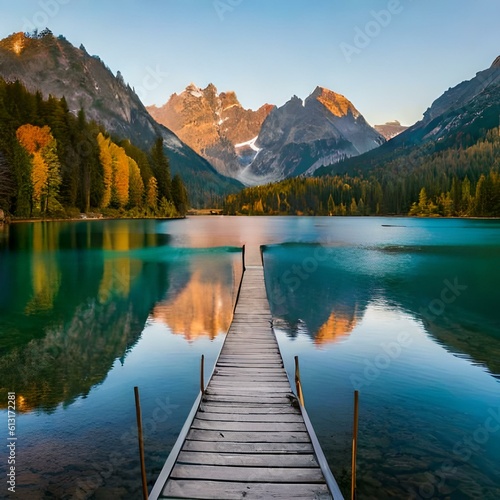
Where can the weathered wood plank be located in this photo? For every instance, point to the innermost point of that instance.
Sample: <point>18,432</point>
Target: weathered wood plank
<point>251,351</point>
<point>246,399</point>
<point>216,490</point>
<point>238,417</point>
<point>250,474</point>
<point>265,389</point>
<point>248,437</point>
<point>250,373</point>
<point>223,426</point>
<point>254,342</point>
<point>248,460</point>
<point>249,370</point>
<point>249,380</point>
<point>243,408</point>
<point>232,447</point>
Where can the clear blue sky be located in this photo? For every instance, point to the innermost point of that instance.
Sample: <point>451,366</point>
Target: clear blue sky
<point>269,50</point>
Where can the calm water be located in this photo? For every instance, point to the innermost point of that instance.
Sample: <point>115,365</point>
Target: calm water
<point>407,314</point>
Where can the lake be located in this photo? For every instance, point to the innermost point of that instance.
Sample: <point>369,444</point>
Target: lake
<point>403,310</point>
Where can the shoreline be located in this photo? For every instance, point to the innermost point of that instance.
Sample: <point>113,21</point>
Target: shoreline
<point>92,219</point>
<point>88,219</point>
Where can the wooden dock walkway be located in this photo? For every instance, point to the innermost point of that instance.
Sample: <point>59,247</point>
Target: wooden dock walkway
<point>247,436</point>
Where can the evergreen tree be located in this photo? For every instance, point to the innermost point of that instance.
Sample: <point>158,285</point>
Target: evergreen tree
<point>152,195</point>
<point>161,170</point>
<point>179,195</point>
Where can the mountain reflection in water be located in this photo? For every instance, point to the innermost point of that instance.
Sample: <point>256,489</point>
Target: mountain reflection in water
<point>80,295</point>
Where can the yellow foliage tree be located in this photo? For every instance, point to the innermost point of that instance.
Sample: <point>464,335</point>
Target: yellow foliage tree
<point>45,172</point>
<point>136,184</point>
<point>106,160</point>
<point>39,176</point>
<point>116,173</point>
<point>120,176</point>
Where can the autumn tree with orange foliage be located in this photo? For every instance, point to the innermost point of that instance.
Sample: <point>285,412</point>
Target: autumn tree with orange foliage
<point>34,138</point>
<point>45,172</point>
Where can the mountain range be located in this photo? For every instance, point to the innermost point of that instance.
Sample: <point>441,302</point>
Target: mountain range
<point>273,142</point>
<point>217,146</point>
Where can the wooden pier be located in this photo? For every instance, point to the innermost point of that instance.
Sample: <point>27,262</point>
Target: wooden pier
<point>247,436</point>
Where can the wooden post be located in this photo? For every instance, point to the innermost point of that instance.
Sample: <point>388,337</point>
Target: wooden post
<point>298,384</point>
<point>141,443</point>
<point>243,256</point>
<point>202,374</point>
<point>354,445</point>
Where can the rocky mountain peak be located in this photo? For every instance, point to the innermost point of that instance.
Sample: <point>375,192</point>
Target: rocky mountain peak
<point>15,43</point>
<point>496,63</point>
<point>299,137</point>
<point>337,104</point>
<point>215,125</point>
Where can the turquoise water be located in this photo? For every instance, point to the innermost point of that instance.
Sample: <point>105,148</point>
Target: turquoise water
<point>404,310</point>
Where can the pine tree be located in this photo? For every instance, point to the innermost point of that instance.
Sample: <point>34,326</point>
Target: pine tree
<point>179,195</point>
<point>331,205</point>
<point>152,195</point>
<point>161,170</point>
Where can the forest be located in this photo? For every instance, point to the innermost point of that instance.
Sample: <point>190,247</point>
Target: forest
<point>456,182</point>
<point>55,164</point>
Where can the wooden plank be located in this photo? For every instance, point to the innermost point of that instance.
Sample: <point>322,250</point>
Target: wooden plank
<point>249,380</point>
<point>248,460</point>
<point>255,417</point>
<point>250,350</point>
<point>248,437</point>
<point>250,474</point>
<point>249,373</point>
<point>245,342</point>
<point>228,363</point>
<point>233,447</point>
<point>216,490</point>
<point>246,399</point>
<point>245,408</point>
<point>248,426</point>
<point>264,388</point>
<point>251,359</point>
<point>255,371</point>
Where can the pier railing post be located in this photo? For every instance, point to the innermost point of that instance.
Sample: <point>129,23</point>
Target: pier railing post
<point>298,384</point>
<point>202,374</point>
<point>243,256</point>
<point>141,443</point>
<point>354,445</point>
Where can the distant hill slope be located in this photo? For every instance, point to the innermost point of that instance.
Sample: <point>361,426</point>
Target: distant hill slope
<point>55,67</point>
<point>390,129</point>
<point>459,118</point>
